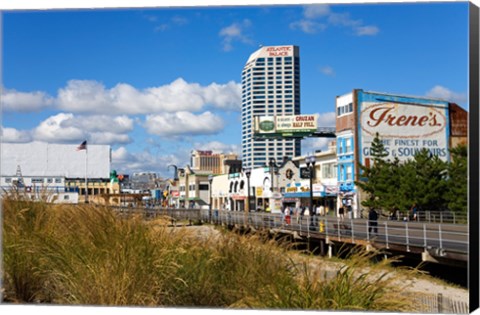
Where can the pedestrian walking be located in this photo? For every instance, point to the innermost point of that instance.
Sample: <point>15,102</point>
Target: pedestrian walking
<point>321,210</point>
<point>341,213</point>
<point>414,211</point>
<point>287,215</point>
<point>372,222</point>
<point>297,214</point>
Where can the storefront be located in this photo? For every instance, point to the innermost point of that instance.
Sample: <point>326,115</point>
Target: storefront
<point>297,194</point>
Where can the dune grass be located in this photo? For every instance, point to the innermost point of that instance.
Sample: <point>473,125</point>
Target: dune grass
<point>85,254</point>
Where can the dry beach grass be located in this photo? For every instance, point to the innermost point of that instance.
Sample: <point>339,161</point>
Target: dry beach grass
<point>63,254</point>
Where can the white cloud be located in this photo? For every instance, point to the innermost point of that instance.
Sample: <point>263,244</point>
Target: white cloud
<point>224,96</point>
<point>326,119</point>
<point>12,135</point>
<point>343,19</point>
<point>313,13</point>
<point>366,30</point>
<point>310,145</point>
<point>68,128</point>
<point>446,94</point>
<point>327,70</point>
<point>95,123</point>
<point>82,96</point>
<point>235,32</point>
<point>166,25</point>
<point>126,162</point>
<point>183,123</point>
<point>308,26</point>
<point>53,130</point>
<point>109,138</point>
<point>15,101</point>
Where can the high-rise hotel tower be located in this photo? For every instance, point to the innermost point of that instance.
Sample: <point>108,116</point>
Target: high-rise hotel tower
<point>270,87</point>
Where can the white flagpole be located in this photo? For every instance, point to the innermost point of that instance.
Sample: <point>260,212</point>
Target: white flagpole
<point>86,170</point>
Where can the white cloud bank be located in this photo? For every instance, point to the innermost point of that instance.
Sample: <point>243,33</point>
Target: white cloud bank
<point>89,110</point>
<point>12,135</point>
<point>68,128</point>
<point>183,123</point>
<point>83,96</point>
<point>15,101</point>
<point>92,97</point>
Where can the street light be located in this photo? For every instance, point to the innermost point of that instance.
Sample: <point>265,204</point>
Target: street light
<point>310,161</point>
<point>210,180</point>
<point>248,172</point>
<point>272,164</point>
<point>175,179</point>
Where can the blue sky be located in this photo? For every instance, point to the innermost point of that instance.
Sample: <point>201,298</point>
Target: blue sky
<point>155,83</point>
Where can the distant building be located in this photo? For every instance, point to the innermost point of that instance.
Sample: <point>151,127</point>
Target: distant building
<point>270,87</point>
<point>55,168</point>
<point>202,160</point>
<point>193,188</point>
<point>405,124</point>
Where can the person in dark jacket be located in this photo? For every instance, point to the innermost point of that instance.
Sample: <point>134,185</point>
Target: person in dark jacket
<point>372,222</point>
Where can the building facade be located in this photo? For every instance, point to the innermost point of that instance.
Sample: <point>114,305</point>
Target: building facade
<point>405,125</point>
<point>201,160</point>
<point>270,87</point>
<point>193,188</point>
<point>324,181</point>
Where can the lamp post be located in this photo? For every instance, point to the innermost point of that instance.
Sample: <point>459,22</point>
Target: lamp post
<point>175,180</point>
<point>310,161</point>
<point>210,180</point>
<point>248,172</point>
<point>272,164</point>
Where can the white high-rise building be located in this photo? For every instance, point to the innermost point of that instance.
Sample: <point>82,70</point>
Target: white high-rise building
<point>270,87</point>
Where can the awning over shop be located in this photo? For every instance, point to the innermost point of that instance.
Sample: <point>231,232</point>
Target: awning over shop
<point>297,195</point>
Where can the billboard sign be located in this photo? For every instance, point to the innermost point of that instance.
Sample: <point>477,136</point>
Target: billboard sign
<point>405,126</point>
<point>285,126</point>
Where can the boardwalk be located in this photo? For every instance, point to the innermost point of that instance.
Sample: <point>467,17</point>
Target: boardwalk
<point>442,243</point>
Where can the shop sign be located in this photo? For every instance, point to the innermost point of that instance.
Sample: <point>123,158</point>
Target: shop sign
<point>259,192</point>
<point>304,172</point>
<point>238,197</point>
<point>404,128</point>
<point>317,188</point>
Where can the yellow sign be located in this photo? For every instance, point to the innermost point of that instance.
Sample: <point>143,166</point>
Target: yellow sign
<point>259,192</point>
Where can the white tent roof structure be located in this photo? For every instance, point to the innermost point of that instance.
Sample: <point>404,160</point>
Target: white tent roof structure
<point>46,159</point>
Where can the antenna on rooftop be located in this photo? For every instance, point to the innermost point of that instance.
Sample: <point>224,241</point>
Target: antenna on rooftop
<point>19,182</point>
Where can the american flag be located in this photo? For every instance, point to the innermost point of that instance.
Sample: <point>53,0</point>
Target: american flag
<point>82,146</point>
